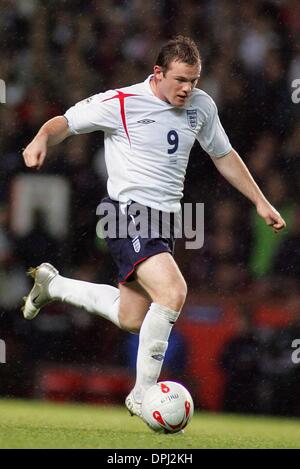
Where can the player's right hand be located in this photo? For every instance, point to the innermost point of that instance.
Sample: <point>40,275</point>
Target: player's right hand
<point>35,153</point>
<point>270,215</point>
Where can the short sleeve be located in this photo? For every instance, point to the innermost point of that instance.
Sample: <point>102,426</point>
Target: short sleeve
<point>212,137</point>
<point>97,112</point>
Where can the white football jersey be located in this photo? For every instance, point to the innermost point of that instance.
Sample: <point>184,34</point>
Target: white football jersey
<point>148,141</point>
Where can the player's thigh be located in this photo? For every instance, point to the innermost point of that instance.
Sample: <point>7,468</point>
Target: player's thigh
<point>161,278</point>
<point>134,304</point>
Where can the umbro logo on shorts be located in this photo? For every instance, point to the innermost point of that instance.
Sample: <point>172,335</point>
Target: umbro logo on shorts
<point>145,121</point>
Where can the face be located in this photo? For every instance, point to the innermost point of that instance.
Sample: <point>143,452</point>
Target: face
<point>176,85</point>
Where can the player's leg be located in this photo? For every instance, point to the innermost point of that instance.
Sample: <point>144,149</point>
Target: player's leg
<point>134,304</point>
<point>162,280</point>
<point>104,300</point>
<point>49,285</point>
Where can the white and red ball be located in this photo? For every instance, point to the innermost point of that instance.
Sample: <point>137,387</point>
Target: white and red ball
<point>167,407</point>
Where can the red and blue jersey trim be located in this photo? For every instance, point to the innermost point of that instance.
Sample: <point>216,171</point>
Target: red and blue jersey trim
<point>121,97</point>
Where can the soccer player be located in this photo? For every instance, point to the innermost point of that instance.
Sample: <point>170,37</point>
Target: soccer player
<point>149,129</point>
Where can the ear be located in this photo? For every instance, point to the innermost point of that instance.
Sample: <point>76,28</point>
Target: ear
<point>158,73</point>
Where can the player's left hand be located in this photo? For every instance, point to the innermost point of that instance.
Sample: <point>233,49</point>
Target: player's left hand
<point>271,216</point>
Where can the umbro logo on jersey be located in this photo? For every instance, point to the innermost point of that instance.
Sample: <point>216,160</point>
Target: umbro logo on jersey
<point>145,121</point>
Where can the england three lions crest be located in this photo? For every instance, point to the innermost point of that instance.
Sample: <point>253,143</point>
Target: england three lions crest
<point>192,118</point>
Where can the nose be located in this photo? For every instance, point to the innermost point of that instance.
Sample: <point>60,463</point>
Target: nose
<point>187,87</point>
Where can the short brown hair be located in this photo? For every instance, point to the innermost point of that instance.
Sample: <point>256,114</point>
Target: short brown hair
<point>181,49</point>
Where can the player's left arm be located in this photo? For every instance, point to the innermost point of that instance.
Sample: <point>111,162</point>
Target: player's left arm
<point>232,167</point>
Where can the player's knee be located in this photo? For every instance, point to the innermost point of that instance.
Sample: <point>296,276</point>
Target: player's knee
<point>179,296</point>
<point>173,297</point>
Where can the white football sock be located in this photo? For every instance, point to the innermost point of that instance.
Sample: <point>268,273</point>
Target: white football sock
<point>153,343</point>
<point>98,299</point>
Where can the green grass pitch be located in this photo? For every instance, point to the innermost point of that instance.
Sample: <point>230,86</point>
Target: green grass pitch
<point>37,424</point>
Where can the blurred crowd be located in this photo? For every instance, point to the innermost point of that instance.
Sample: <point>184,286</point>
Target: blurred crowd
<point>54,54</point>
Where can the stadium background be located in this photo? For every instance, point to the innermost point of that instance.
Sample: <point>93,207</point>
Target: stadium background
<point>232,345</point>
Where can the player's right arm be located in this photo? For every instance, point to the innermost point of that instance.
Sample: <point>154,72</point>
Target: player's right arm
<point>51,133</point>
<point>98,112</point>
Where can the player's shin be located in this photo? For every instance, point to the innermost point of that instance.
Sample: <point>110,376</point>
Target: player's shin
<point>102,300</point>
<point>153,343</point>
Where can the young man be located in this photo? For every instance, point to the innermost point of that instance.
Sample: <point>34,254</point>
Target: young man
<point>149,129</point>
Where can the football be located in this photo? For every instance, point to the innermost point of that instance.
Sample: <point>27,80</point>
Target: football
<point>167,407</point>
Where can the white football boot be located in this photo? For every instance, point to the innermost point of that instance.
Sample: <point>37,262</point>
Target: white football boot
<point>39,295</point>
<point>134,407</point>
